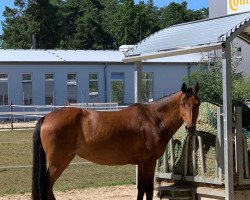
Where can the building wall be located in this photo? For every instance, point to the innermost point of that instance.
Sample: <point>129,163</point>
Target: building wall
<point>218,9</point>
<point>167,80</point>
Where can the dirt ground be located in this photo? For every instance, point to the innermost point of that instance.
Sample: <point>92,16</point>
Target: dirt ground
<point>105,193</point>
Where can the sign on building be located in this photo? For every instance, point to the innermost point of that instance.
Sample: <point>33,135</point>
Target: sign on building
<point>237,6</point>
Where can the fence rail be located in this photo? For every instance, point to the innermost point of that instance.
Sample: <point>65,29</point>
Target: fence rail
<point>18,114</point>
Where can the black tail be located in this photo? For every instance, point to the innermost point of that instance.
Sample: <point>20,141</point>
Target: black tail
<point>39,166</point>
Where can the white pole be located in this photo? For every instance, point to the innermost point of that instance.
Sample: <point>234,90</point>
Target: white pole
<point>137,93</point>
<point>227,115</point>
<point>138,82</point>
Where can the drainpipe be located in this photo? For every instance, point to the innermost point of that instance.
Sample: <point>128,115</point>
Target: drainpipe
<point>105,83</point>
<point>33,42</point>
<point>189,72</point>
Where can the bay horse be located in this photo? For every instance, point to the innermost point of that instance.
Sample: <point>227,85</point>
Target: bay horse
<point>136,135</point>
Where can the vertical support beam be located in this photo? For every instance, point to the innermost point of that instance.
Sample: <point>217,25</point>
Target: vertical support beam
<point>165,161</point>
<point>239,150</point>
<point>172,154</point>
<point>219,162</point>
<point>11,116</point>
<point>138,82</point>
<point>186,155</point>
<point>194,155</point>
<point>201,151</point>
<point>138,93</point>
<point>227,120</point>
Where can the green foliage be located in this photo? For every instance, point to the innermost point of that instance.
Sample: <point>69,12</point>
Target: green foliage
<point>28,18</point>
<point>88,24</point>
<point>117,92</point>
<point>210,80</point>
<point>176,13</point>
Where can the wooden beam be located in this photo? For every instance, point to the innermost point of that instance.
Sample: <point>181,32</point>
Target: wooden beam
<point>227,116</point>
<point>175,52</point>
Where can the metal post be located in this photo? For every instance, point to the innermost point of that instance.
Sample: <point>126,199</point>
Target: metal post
<point>11,116</point>
<point>227,120</point>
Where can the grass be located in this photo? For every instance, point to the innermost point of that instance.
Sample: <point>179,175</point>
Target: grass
<point>18,181</point>
<point>16,136</point>
<point>16,149</point>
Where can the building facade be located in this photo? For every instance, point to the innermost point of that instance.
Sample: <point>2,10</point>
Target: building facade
<point>45,77</point>
<point>228,7</point>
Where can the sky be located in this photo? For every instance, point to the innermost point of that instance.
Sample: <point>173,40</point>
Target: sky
<point>192,4</point>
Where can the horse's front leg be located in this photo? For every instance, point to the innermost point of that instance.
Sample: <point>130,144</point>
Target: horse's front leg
<point>146,173</point>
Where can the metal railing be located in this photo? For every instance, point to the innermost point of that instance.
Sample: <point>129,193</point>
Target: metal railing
<point>20,113</point>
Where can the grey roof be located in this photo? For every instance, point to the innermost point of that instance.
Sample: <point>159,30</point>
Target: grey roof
<point>210,32</point>
<point>64,56</point>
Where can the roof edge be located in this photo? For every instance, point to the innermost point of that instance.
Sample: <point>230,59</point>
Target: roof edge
<point>174,52</point>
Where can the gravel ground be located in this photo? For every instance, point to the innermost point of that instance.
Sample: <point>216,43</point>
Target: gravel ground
<point>106,193</point>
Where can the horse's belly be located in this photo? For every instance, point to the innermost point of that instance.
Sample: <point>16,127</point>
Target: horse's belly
<point>109,155</point>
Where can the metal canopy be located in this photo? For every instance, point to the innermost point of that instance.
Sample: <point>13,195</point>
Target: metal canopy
<point>194,37</point>
<point>197,36</point>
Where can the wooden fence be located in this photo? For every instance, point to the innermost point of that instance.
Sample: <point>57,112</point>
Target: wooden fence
<point>241,157</point>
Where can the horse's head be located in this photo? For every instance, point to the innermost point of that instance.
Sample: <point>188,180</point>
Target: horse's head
<point>189,106</point>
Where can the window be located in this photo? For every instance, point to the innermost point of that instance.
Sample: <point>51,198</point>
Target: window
<point>27,89</point>
<point>71,88</point>
<point>4,89</point>
<point>93,87</point>
<point>147,86</point>
<point>117,87</point>
<point>238,53</point>
<point>49,89</point>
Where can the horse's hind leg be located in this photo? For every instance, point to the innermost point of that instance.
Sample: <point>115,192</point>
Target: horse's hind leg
<point>55,169</point>
<point>146,173</point>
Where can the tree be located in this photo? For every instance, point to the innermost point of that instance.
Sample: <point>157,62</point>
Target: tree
<point>146,21</point>
<point>176,13</point>
<point>126,31</point>
<point>43,13</point>
<point>110,20</point>
<point>89,31</point>
<point>210,81</point>
<point>25,20</point>
<point>17,33</point>
<point>88,24</point>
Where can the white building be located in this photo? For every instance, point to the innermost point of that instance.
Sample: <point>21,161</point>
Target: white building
<point>218,8</point>
<point>40,77</point>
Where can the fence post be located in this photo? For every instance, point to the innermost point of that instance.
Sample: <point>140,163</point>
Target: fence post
<point>11,116</point>
<point>219,148</point>
<point>239,144</point>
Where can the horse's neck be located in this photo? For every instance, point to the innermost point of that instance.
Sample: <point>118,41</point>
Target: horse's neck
<point>168,109</point>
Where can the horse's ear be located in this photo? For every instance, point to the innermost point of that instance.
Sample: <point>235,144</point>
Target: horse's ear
<point>196,88</point>
<point>184,87</point>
